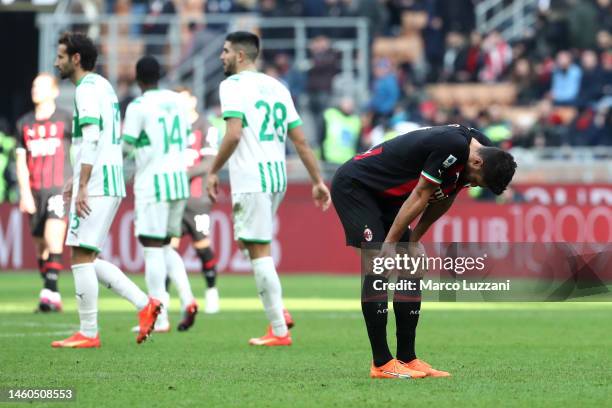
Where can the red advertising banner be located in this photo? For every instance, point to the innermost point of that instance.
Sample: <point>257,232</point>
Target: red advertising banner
<point>308,240</point>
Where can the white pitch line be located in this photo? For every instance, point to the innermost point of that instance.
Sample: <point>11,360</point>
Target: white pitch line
<point>51,333</point>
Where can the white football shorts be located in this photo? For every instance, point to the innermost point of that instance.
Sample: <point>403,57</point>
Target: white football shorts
<point>253,215</point>
<point>159,220</point>
<point>91,231</point>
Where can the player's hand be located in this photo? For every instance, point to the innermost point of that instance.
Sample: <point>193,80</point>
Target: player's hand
<point>26,203</point>
<point>212,186</point>
<point>82,203</point>
<point>417,250</point>
<point>321,196</point>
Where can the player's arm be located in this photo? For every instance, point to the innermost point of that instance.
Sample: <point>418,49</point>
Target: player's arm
<point>320,192</point>
<point>414,205</point>
<point>233,133</point>
<point>89,152</point>
<point>26,200</point>
<point>432,213</point>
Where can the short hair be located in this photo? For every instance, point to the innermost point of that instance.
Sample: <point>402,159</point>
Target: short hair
<point>498,167</point>
<point>148,70</point>
<point>248,41</point>
<point>81,44</point>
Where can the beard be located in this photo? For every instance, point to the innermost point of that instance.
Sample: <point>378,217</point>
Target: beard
<point>230,69</point>
<point>65,73</point>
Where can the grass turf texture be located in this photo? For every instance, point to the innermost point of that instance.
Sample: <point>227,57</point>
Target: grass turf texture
<point>529,354</point>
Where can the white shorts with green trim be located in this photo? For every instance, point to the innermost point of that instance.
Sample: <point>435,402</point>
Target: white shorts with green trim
<point>91,231</point>
<point>254,214</point>
<point>159,220</point>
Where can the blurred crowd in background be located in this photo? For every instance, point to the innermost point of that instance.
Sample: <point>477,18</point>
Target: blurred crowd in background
<point>430,65</point>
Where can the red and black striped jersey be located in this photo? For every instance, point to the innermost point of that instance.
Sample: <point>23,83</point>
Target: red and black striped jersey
<point>438,154</point>
<point>47,147</point>
<point>203,141</point>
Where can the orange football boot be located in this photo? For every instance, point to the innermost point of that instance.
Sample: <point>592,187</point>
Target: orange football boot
<point>288,319</point>
<point>189,316</point>
<point>395,369</point>
<point>147,318</point>
<point>420,365</point>
<point>78,340</point>
<point>271,340</point>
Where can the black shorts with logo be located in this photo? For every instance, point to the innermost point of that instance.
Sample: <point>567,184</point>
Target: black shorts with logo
<point>49,205</point>
<point>364,216</point>
<point>196,219</point>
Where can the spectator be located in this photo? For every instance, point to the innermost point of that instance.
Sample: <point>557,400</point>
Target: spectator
<point>325,66</point>
<point>523,78</point>
<point>472,59</point>
<point>385,90</point>
<point>155,29</point>
<point>453,56</point>
<point>498,55</point>
<point>592,83</point>
<point>582,18</point>
<point>566,79</point>
<point>457,15</point>
<point>340,140</point>
<point>288,74</point>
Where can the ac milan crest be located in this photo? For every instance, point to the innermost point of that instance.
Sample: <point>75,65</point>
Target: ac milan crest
<point>367,234</point>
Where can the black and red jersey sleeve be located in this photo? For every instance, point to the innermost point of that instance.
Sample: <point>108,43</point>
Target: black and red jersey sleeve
<point>446,151</point>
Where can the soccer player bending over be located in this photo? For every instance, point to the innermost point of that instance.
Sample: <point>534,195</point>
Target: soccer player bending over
<point>379,193</point>
<point>95,192</point>
<point>156,126</point>
<point>43,166</point>
<point>260,115</point>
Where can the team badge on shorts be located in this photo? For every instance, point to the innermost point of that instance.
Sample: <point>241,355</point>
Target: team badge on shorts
<point>367,234</point>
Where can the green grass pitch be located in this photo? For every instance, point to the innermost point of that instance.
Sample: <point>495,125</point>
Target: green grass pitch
<point>528,354</point>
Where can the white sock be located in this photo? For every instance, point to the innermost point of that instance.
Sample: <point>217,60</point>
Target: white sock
<point>86,288</point>
<point>178,276</point>
<point>113,278</point>
<point>270,292</point>
<point>155,276</point>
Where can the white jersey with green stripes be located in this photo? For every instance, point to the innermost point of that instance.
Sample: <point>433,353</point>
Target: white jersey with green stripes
<point>95,103</point>
<point>265,106</point>
<point>156,125</point>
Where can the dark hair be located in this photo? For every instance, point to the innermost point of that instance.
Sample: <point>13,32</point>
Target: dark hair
<point>248,41</point>
<point>498,167</point>
<point>79,43</point>
<point>148,70</point>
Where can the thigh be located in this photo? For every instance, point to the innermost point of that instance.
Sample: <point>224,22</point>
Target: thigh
<point>359,213</point>
<point>37,220</point>
<point>253,217</point>
<point>90,232</point>
<point>196,219</point>
<point>152,219</point>
<point>176,209</point>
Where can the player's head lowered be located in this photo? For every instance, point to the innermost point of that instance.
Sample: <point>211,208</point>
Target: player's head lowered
<point>489,167</point>
<point>75,53</point>
<point>44,88</point>
<point>240,51</point>
<point>148,72</point>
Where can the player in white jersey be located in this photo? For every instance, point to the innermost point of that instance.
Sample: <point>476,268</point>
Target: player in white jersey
<point>156,127</point>
<point>260,115</point>
<point>95,192</point>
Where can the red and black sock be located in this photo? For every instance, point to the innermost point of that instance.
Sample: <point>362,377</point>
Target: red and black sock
<point>209,266</point>
<point>407,308</point>
<point>52,268</point>
<point>374,307</point>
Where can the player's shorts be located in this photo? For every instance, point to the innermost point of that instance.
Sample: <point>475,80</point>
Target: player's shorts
<point>254,215</point>
<point>49,205</point>
<point>364,216</point>
<point>159,220</point>
<point>91,232</point>
<point>196,219</point>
